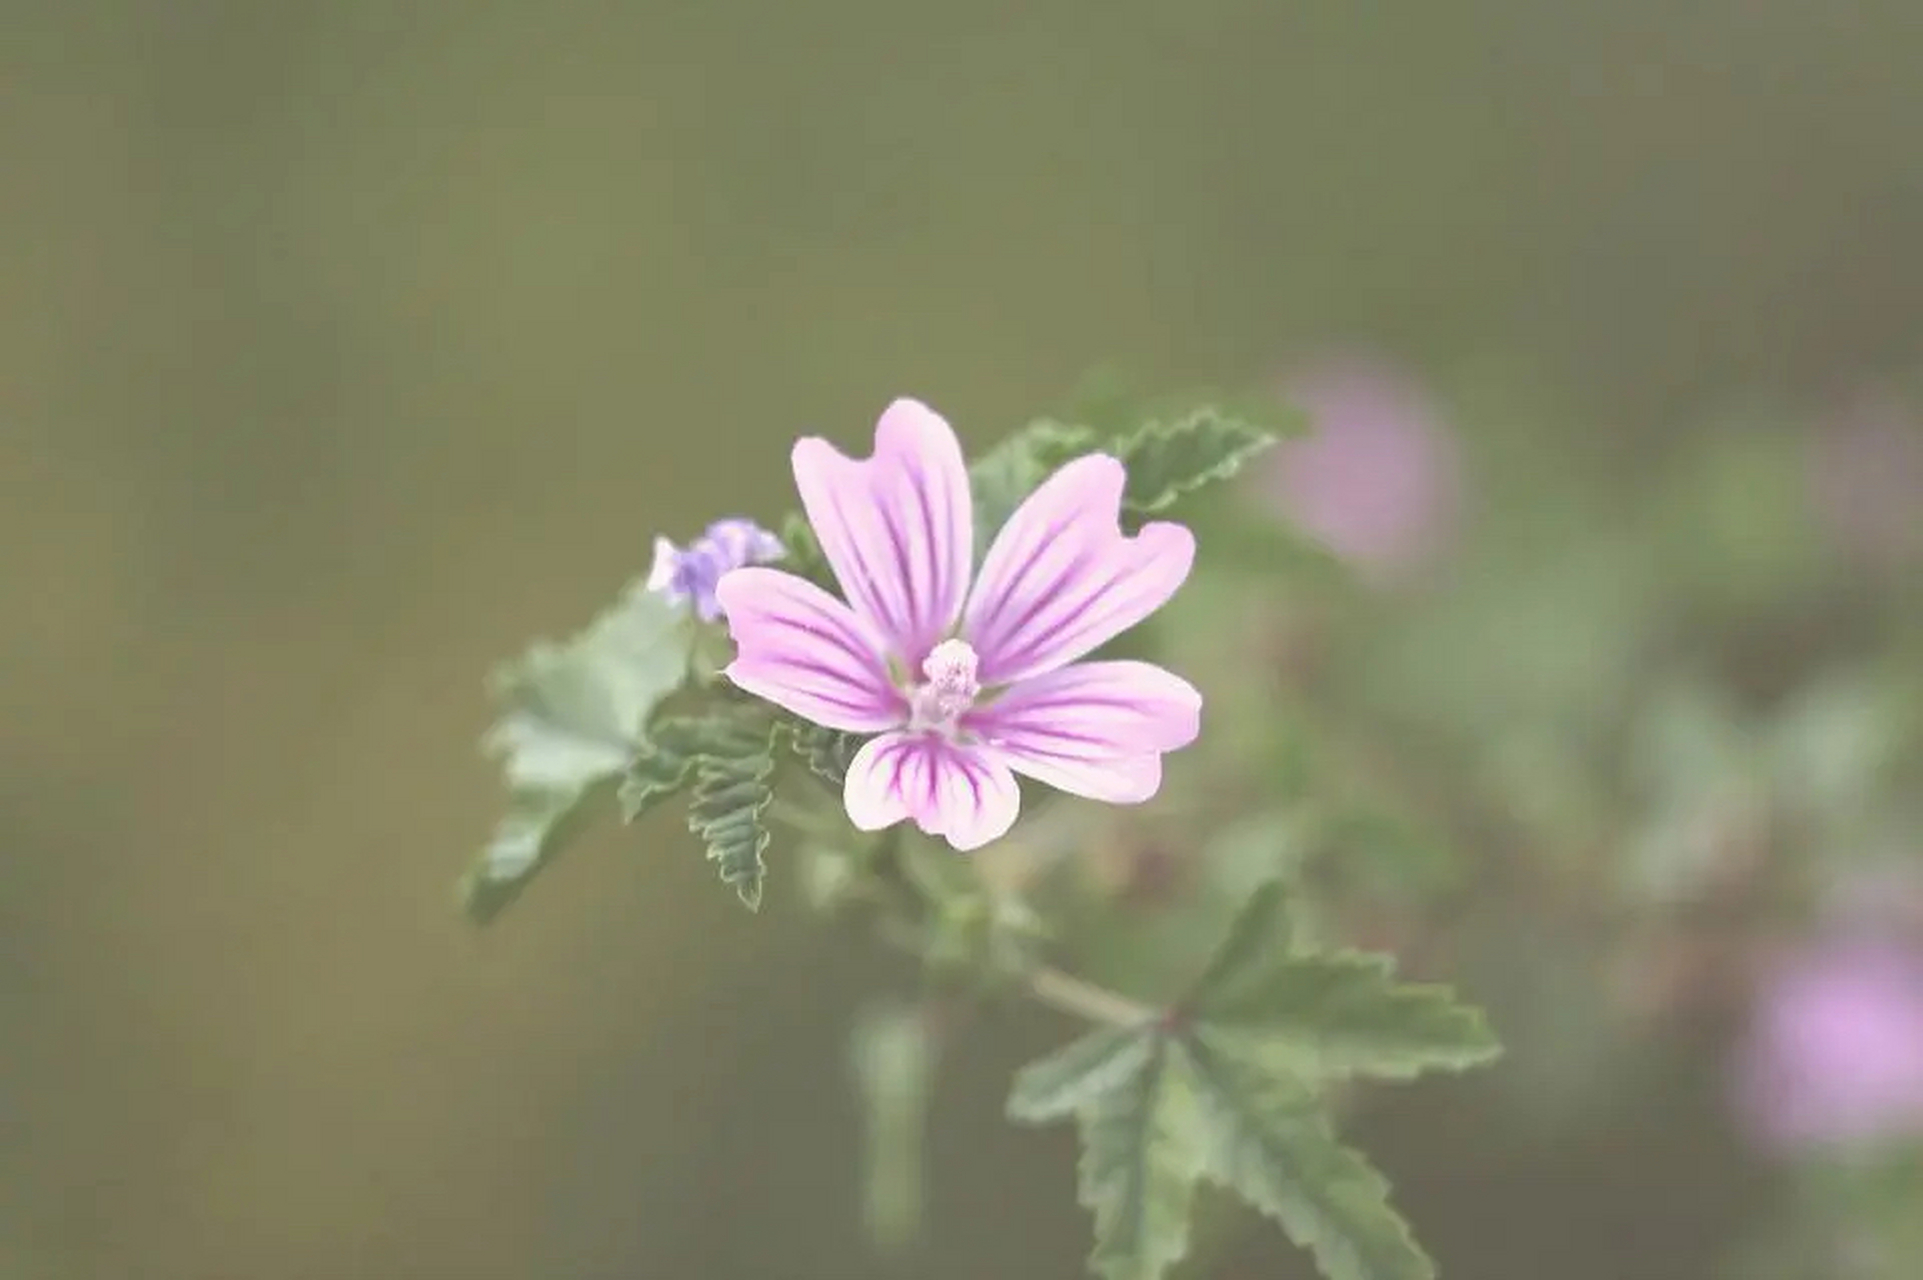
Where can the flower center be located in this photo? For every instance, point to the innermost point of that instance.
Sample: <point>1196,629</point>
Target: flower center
<point>949,688</point>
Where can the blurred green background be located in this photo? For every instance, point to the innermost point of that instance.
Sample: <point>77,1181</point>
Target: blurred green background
<point>345,347</point>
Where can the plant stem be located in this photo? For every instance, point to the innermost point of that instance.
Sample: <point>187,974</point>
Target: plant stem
<point>1056,988</point>
<point>1083,999</point>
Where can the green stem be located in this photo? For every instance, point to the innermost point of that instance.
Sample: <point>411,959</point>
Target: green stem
<point>1056,988</point>
<point>1083,999</point>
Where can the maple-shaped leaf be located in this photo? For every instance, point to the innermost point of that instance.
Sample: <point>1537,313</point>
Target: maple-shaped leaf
<point>1055,1087</point>
<point>1138,1169</point>
<point>1223,1086</point>
<point>1331,1015</point>
<point>1269,1140</point>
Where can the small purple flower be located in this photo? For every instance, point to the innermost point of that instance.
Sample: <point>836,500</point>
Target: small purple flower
<point>1867,478</point>
<point>966,686</point>
<point>1835,1052</point>
<point>1376,480</point>
<point>691,573</point>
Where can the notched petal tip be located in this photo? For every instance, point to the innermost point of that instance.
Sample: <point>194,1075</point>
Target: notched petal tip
<point>965,795</point>
<point>896,527</point>
<point>1175,541</point>
<point>1062,578</point>
<point>909,423</point>
<point>906,425</point>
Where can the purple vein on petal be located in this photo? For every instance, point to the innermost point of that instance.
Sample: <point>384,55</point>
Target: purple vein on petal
<point>911,494</point>
<point>802,649</point>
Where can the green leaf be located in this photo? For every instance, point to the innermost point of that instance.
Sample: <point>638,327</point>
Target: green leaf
<point>1138,1170</point>
<point>1330,1016</point>
<point>1258,941</point>
<point>804,557</point>
<point>1073,1077</point>
<point>574,716</point>
<point>727,756</point>
<point>1167,460</point>
<point>1223,1086</point>
<point>665,761</point>
<point>826,752</point>
<point>1010,471</point>
<point>1139,1164</point>
<point>537,823</point>
<point>730,795</point>
<point>1345,1015</point>
<point>1268,1139</point>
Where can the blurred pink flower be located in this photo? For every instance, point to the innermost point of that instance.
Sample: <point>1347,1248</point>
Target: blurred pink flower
<point>1867,478</point>
<point>1835,1050</point>
<point>1377,479</point>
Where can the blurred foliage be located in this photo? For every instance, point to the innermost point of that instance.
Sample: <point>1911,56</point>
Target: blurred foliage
<point>348,346</point>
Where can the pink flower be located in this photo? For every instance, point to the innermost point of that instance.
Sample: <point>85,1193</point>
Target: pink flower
<point>966,687</point>
<point>1835,1054</point>
<point>1376,478</point>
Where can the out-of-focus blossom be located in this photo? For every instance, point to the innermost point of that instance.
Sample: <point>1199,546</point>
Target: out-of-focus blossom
<point>1834,1057</point>
<point>967,685</point>
<point>1867,478</point>
<point>1377,478</point>
<point>689,574</point>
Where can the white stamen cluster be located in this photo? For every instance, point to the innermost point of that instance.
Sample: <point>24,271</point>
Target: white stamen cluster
<point>949,689</point>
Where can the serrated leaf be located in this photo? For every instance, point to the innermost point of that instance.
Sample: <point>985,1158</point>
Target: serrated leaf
<point>1257,941</point>
<point>1269,1140</point>
<point>1138,1171</point>
<point>665,761</point>
<point>1223,1086</point>
<point>1346,1015</point>
<point>1009,472</point>
<point>1167,460</point>
<point>1330,1015</point>
<point>652,778</point>
<point>1075,1076</point>
<point>574,717</point>
<point>826,752</point>
<point>730,795</point>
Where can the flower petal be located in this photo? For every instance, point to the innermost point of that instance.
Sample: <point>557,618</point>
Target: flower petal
<point>1093,711</point>
<point>1094,729</point>
<point>1062,578</point>
<point>661,572</point>
<point>802,649</point>
<point>1115,780</point>
<point>964,793</point>
<point>897,528</point>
